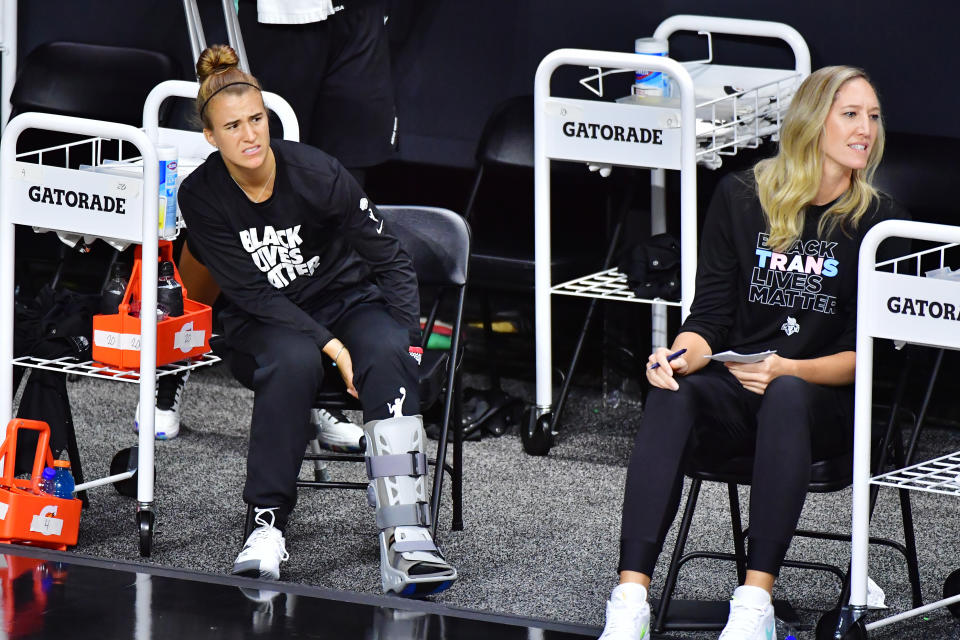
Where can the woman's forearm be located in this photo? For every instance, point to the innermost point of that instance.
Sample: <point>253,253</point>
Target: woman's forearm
<point>833,370</point>
<point>696,348</point>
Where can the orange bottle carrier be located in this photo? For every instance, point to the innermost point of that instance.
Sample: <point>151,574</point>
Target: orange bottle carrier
<point>116,337</point>
<point>27,514</point>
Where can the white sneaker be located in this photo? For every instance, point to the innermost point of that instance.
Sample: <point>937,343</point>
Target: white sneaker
<point>166,417</point>
<point>751,616</point>
<point>264,549</point>
<point>335,432</point>
<point>628,613</point>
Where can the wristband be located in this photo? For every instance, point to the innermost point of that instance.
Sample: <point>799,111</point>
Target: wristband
<point>337,357</point>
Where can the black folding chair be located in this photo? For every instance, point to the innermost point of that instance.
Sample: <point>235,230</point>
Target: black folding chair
<point>438,241</point>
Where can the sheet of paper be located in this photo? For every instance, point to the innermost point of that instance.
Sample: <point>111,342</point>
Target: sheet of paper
<point>745,358</point>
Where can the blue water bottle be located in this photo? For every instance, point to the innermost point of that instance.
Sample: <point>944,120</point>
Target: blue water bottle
<point>63,483</point>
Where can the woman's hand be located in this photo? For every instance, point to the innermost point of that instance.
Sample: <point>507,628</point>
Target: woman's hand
<point>757,375</point>
<point>663,376</point>
<point>340,355</point>
<point>345,365</point>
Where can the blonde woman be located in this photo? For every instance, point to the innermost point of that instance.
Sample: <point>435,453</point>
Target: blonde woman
<point>777,271</point>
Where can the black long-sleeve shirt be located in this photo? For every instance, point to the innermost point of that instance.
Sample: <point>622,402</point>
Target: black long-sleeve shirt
<point>316,248</point>
<point>749,298</point>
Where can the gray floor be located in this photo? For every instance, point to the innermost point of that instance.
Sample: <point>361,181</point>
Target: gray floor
<point>541,533</point>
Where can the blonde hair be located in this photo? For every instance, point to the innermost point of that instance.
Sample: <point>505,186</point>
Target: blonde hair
<point>788,182</point>
<point>218,72</point>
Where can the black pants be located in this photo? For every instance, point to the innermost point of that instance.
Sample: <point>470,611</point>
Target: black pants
<point>791,424</point>
<point>335,74</point>
<point>290,369</point>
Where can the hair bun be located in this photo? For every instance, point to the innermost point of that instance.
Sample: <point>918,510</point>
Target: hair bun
<point>216,59</point>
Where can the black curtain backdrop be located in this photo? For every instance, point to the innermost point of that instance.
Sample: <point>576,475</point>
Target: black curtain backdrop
<point>455,59</point>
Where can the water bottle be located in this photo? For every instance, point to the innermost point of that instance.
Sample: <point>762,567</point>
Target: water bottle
<point>63,483</point>
<point>168,191</point>
<point>113,292</point>
<point>46,483</point>
<point>169,291</point>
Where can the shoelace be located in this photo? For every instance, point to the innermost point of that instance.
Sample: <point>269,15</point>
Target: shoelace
<point>330,417</point>
<point>169,389</point>
<point>265,534</point>
<point>743,620</point>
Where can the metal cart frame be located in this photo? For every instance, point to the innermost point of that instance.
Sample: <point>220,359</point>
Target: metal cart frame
<point>138,225</point>
<point>878,316</point>
<point>666,138</point>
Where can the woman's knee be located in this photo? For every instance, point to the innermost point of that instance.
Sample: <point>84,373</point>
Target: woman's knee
<point>389,347</point>
<point>787,391</point>
<point>294,359</point>
<point>668,400</point>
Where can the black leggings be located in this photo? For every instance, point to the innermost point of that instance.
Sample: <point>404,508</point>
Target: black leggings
<point>791,424</point>
<point>289,371</point>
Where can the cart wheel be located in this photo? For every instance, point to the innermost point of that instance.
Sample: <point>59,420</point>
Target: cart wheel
<point>827,627</point>
<point>951,587</point>
<point>145,520</point>
<point>125,460</point>
<point>535,433</point>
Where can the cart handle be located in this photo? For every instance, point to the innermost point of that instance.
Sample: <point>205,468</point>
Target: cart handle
<point>186,89</point>
<point>740,27</point>
<point>8,452</point>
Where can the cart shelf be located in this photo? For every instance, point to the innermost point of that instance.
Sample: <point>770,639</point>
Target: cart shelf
<point>608,285</point>
<point>940,475</point>
<point>96,370</point>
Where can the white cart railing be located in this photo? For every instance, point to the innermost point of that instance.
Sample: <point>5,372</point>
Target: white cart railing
<point>672,133</point>
<point>887,307</point>
<point>20,182</point>
<point>137,224</point>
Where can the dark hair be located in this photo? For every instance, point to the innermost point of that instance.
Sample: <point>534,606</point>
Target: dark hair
<point>218,72</point>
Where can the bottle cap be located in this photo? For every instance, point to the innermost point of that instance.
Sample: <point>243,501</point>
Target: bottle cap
<point>49,472</point>
<point>61,464</point>
<point>166,152</point>
<point>166,269</point>
<point>652,46</point>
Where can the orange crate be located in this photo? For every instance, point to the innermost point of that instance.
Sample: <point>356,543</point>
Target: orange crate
<point>27,515</point>
<point>116,337</point>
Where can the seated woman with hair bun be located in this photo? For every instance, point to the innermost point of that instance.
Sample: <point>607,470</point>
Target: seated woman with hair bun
<point>777,271</point>
<point>310,270</point>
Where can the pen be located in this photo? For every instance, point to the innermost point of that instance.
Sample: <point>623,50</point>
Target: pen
<point>672,356</point>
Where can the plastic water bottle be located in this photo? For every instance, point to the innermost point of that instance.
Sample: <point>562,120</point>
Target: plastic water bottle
<point>169,291</point>
<point>63,483</point>
<point>168,191</point>
<point>113,292</point>
<point>46,484</point>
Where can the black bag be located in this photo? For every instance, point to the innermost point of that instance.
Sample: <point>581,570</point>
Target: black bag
<point>53,325</point>
<point>653,267</point>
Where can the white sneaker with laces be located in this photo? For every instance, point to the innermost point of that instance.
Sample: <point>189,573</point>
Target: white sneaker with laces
<point>628,613</point>
<point>264,549</point>
<point>751,616</point>
<point>166,417</point>
<point>335,432</point>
